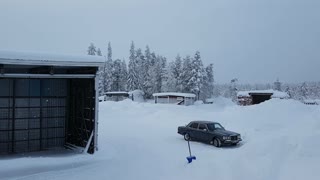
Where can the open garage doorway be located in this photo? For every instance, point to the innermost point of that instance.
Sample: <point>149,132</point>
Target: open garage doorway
<point>45,105</point>
<point>258,98</point>
<point>42,114</point>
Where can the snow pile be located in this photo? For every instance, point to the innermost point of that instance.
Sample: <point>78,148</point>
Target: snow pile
<point>140,141</point>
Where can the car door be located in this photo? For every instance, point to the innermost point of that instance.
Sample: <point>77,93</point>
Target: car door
<point>202,133</point>
<point>193,128</point>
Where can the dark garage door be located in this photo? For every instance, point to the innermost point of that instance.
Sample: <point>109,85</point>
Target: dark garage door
<point>32,114</point>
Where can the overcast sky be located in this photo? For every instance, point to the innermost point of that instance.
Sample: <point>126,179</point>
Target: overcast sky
<point>252,40</point>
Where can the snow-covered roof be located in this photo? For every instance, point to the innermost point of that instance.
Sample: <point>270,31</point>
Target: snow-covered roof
<point>174,94</point>
<point>116,92</point>
<point>137,91</point>
<point>40,58</point>
<point>275,94</point>
<point>317,101</point>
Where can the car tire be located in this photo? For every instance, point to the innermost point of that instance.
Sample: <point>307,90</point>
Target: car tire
<point>216,142</point>
<point>187,137</point>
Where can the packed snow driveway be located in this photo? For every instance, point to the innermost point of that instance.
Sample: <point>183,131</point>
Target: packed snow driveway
<point>140,141</point>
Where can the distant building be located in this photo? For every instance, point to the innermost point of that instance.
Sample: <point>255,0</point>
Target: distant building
<point>116,96</point>
<point>258,96</point>
<point>174,98</point>
<point>311,102</point>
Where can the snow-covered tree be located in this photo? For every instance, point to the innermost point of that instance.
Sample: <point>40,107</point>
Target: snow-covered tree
<point>233,89</point>
<point>277,85</point>
<point>92,50</point>
<point>108,80</point>
<point>304,91</point>
<point>133,74</point>
<point>140,68</point>
<point>99,53</point>
<point>186,75</point>
<point>177,73</point>
<point>197,73</point>
<point>207,86</point>
<point>151,87</point>
<point>146,65</point>
<point>100,75</point>
<point>109,52</point>
<point>116,76</point>
<point>123,76</point>
<point>170,82</point>
<point>157,74</point>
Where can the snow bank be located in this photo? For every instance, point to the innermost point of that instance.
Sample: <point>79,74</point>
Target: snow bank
<point>140,141</point>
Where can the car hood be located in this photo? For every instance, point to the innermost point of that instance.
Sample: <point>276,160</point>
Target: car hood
<point>225,133</point>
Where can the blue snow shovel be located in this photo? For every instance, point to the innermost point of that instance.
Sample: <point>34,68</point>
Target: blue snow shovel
<point>190,158</point>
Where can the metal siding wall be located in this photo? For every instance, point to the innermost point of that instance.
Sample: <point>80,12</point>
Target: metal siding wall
<point>32,114</point>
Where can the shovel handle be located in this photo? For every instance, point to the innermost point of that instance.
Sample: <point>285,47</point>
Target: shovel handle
<point>189,148</point>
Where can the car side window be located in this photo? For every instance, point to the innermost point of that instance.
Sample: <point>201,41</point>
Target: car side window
<point>202,127</point>
<point>194,125</point>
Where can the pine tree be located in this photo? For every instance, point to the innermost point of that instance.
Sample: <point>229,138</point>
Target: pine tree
<point>277,85</point>
<point>123,76</point>
<point>177,73</point>
<point>100,75</point>
<point>186,75</point>
<point>109,52</point>
<point>140,68</point>
<point>197,71</point>
<point>303,91</point>
<point>147,83</point>
<point>233,89</point>
<point>92,50</point>
<point>99,53</point>
<point>170,82</point>
<point>133,83</point>
<point>108,70</point>
<point>208,80</point>
<point>116,75</point>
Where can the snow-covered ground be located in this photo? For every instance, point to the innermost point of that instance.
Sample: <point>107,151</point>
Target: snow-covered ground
<point>139,141</point>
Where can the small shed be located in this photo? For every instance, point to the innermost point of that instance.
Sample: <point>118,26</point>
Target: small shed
<point>174,98</point>
<point>116,96</point>
<point>311,102</point>
<point>258,96</point>
<point>48,101</point>
<point>136,95</point>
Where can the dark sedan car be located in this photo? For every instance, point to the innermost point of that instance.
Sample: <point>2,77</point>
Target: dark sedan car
<point>211,132</point>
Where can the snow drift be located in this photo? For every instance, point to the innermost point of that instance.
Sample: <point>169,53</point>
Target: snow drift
<point>140,141</point>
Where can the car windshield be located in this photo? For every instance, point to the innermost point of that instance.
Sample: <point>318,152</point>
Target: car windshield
<point>213,126</point>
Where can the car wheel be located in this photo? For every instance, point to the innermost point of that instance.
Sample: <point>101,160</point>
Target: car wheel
<point>187,137</point>
<point>216,142</point>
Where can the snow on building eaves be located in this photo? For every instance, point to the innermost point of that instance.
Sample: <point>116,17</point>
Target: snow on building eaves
<point>275,94</point>
<point>49,59</point>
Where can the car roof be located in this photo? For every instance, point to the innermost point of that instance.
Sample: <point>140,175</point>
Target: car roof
<point>203,122</point>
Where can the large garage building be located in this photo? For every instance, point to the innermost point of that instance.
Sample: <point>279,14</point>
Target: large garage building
<point>48,102</point>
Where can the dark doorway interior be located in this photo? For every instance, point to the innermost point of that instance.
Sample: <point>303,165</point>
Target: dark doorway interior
<point>258,98</point>
<point>42,114</point>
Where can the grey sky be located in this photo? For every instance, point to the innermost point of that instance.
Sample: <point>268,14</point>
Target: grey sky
<point>252,40</point>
